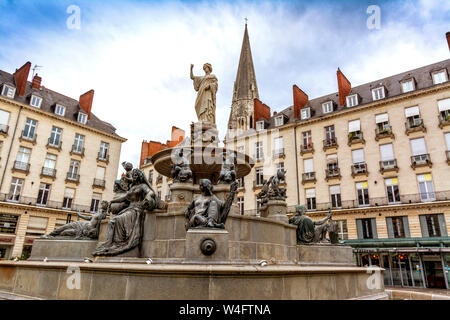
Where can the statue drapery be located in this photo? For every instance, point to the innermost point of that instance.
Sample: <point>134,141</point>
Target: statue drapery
<point>205,104</point>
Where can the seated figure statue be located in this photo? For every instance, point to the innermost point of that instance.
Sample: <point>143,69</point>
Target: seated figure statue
<point>180,169</point>
<point>208,211</point>
<point>310,231</point>
<point>228,171</point>
<point>81,230</point>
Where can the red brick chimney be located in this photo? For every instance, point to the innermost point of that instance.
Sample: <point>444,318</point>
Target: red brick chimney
<point>144,152</point>
<point>36,84</point>
<point>21,78</point>
<point>261,111</point>
<point>448,39</point>
<point>177,134</point>
<point>344,87</point>
<point>86,102</point>
<point>300,100</point>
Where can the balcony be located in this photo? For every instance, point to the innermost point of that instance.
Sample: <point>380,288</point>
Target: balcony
<point>54,144</point>
<point>99,183</point>
<point>279,153</point>
<point>414,125</point>
<point>4,129</point>
<point>28,138</point>
<point>448,156</point>
<point>77,150</point>
<point>334,173</point>
<point>421,160</point>
<point>103,157</point>
<point>359,169</point>
<point>355,137</point>
<point>386,132</point>
<point>330,143</point>
<point>21,167</point>
<point>444,120</point>
<point>308,177</point>
<point>48,172</point>
<point>73,177</point>
<point>18,198</point>
<point>309,148</point>
<point>388,165</point>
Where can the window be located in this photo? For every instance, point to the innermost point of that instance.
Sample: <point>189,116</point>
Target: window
<point>359,164</point>
<point>259,176</point>
<point>240,203</point>
<point>332,164</point>
<point>30,129</point>
<point>69,195</point>
<point>408,86</point>
<point>308,165</point>
<point>4,119</point>
<point>78,145</point>
<point>433,225</point>
<point>8,91</point>
<point>278,146</point>
<point>413,117</point>
<point>398,227</point>
<point>104,148</point>
<point>35,101</point>
<point>307,140</point>
<point>378,93</point>
<point>382,121</point>
<point>335,193</point>
<point>352,100</point>
<point>419,150</point>
<point>327,107</point>
<point>279,121</point>
<point>60,110</point>
<point>426,188</point>
<point>44,191</point>
<point>362,191</point>
<point>8,223</point>
<point>96,197</point>
<point>439,77</point>
<point>310,199</point>
<point>55,137</point>
<point>329,134</point>
<point>447,140</point>
<point>367,228</point>
<point>387,156</point>
<point>82,117</point>
<point>342,229</point>
<point>259,150</point>
<point>305,113</point>
<point>73,170</point>
<point>392,191</point>
<point>444,109</point>
<point>49,165</point>
<point>150,177</point>
<point>241,183</point>
<point>259,125</point>
<point>37,226</point>
<point>23,158</point>
<point>100,176</point>
<point>354,126</point>
<point>15,189</point>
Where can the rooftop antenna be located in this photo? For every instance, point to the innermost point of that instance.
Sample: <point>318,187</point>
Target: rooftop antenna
<point>35,68</point>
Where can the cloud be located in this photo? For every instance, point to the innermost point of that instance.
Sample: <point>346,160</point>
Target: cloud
<point>136,55</point>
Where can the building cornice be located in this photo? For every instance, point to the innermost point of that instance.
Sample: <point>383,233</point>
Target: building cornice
<point>19,206</point>
<point>52,116</point>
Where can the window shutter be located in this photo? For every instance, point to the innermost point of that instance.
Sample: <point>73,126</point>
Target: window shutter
<point>308,165</point>
<point>390,228</point>
<point>382,118</point>
<point>406,226</point>
<point>442,225</point>
<point>4,117</point>
<point>423,226</point>
<point>374,228</point>
<point>418,146</point>
<point>410,112</point>
<point>100,174</point>
<point>358,155</point>
<point>354,126</point>
<point>444,105</point>
<point>387,152</point>
<point>359,228</point>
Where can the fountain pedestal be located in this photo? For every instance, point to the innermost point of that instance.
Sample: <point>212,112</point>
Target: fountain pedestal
<point>276,210</point>
<point>207,245</point>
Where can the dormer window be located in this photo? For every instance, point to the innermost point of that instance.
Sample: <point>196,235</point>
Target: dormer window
<point>306,113</point>
<point>8,91</point>
<point>408,86</point>
<point>327,107</point>
<point>60,110</point>
<point>279,121</point>
<point>82,117</point>
<point>352,100</point>
<point>259,125</point>
<point>439,77</point>
<point>35,101</point>
<point>378,93</point>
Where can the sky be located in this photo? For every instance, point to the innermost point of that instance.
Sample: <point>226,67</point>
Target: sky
<point>136,54</point>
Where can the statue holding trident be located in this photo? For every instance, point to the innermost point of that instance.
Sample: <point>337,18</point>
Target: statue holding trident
<point>206,86</point>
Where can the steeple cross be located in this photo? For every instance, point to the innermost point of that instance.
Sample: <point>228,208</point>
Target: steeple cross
<point>246,20</point>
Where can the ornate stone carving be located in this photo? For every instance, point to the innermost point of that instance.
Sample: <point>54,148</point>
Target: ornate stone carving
<point>208,211</point>
<point>271,189</point>
<point>228,171</point>
<point>180,168</point>
<point>206,86</point>
<point>310,231</point>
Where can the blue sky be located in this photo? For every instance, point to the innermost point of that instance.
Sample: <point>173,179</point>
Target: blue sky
<point>136,54</point>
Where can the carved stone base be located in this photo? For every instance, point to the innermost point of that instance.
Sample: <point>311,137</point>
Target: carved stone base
<point>181,196</point>
<point>276,210</point>
<point>62,250</point>
<point>325,254</point>
<point>204,134</point>
<point>206,245</point>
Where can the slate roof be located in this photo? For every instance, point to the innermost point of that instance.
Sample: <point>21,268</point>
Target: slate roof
<point>51,98</point>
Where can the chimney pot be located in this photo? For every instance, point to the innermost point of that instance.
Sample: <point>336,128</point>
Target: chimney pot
<point>36,84</point>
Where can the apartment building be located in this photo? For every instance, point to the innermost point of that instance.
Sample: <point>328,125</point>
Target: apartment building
<point>56,158</point>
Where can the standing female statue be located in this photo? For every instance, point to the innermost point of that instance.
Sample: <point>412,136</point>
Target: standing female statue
<point>207,86</point>
<point>125,230</point>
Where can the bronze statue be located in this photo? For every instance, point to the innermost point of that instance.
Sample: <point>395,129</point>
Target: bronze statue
<point>208,211</point>
<point>206,86</point>
<point>81,230</point>
<point>125,231</point>
<point>228,171</point>
<point>180,169</point>
<point>271,189</point>
<point>310,231</point>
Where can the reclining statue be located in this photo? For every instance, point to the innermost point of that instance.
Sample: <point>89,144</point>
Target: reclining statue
<point>208,211</point>
<point>81,230</point>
